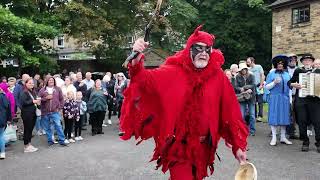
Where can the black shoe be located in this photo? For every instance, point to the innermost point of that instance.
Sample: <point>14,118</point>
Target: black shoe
<point>93,133</point>
<point>63,144</point>
<point>121,133</point>
<point>101,132</point>
<point>84,129</point>
<point>50,143</point>
<point>305,148</point>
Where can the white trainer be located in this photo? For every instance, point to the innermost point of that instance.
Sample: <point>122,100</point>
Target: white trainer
<point>72,141</point>
<point>77,139</point>
<point>80,138</point>
<point>109,122</point>
<point>30,149</point>
<point>2,155</point>
<point>66,141</point>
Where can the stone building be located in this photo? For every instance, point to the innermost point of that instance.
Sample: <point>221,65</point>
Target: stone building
<point>296,27</point>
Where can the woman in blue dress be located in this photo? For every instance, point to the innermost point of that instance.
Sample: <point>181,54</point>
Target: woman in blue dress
<point>279,101</point>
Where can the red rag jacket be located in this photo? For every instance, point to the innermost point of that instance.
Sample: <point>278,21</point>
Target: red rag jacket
<point>185,110</point>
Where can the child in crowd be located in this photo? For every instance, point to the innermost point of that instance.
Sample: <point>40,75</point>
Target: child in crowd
<point>78,124</point>
<point>71,113</point>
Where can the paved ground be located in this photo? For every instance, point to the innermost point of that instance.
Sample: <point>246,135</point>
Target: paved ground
<point>108,158</point>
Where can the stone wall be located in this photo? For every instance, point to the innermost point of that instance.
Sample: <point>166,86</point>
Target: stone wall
<point>299,39</point>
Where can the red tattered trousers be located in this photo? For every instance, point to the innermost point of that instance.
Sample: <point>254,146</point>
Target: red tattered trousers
<point>181,171</point>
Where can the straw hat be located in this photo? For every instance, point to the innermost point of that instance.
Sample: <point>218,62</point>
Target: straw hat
<point>242,65</point>
<point>246,172</point>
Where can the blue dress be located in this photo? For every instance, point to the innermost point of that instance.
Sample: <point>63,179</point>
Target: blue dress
<point>278,100</point>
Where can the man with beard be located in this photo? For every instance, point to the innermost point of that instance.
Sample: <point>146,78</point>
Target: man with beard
<point>186,105</point>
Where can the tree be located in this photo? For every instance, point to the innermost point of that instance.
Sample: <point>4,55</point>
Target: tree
<point>19,38</point>
<point>242,28</point>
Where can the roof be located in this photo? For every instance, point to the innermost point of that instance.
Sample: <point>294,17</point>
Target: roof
<point>155,57</point>
<point>281,3</point>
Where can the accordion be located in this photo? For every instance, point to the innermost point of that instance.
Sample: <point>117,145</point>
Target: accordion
<point>310,84</point>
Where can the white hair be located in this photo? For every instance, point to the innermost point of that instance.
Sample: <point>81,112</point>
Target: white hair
<point>234,66</point>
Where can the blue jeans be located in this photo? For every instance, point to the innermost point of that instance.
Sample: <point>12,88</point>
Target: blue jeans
<point>2,143</point>
<point>251,107</point>
<point>39,124</point>
<point>55,119</point>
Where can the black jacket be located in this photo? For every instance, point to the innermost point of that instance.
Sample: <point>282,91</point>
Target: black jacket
<point>5,112</point>
<point>27,104</point>
<point>83,89</point>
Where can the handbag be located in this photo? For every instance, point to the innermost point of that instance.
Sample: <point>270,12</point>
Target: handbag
<point>10,134</point>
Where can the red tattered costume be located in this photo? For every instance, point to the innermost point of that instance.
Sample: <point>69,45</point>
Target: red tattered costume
<point>185,110</point>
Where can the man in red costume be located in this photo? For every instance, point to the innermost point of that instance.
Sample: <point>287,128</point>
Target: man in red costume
<point>186,105</point>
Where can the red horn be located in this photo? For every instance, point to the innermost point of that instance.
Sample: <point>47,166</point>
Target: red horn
<point>198,29</point>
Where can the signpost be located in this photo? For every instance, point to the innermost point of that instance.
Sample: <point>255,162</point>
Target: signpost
<point>9,62</point>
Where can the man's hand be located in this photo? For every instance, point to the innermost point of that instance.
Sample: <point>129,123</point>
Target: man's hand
<point>260,87</point>
<point>139,46</point>
<point>241,156</point>
<point>241,89</point>
<point>49,97</point>
<point>296,85</point>
<point>249,91</point>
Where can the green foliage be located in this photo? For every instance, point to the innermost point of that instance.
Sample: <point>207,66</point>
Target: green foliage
<point>242,28</point>
<point>19,37</point>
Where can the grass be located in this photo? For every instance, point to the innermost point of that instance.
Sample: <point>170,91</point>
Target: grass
<point>265,113</point>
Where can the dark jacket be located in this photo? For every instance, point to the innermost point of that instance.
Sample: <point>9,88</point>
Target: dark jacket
<point>26,101</point>
<point>16,92</point>
<point>245,83</point>
<point>83,89</point>
<point>53,105</point>
<point>97,100</point>
<point>5,112</point>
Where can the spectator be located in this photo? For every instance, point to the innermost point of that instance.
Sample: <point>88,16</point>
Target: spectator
<point>291,130</point>
<point>71,113</point>
<point>279,101</point>
<point>5,116</point>
<point>245,83</point>
<point>68,86</point>
<point>19,88</point>
<point>3,79</point>
<point>36,82</point>
<point>108,85</point>
<point>119,88</point>
<point>88,81</point>
<point>12,83</point>
<point>51,106</point>
<point>29,103</point>
<point>97,106</point>
<point>258,73</point>
<point>83,110</point>
<point>80,85</point>
<point>59,81</point>
<point>228,73</point>
<point>234,70</point>
<point>10,97</point>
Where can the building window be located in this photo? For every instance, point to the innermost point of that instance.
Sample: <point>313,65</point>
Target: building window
<point>61,42</point>
<point>301,14</point>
